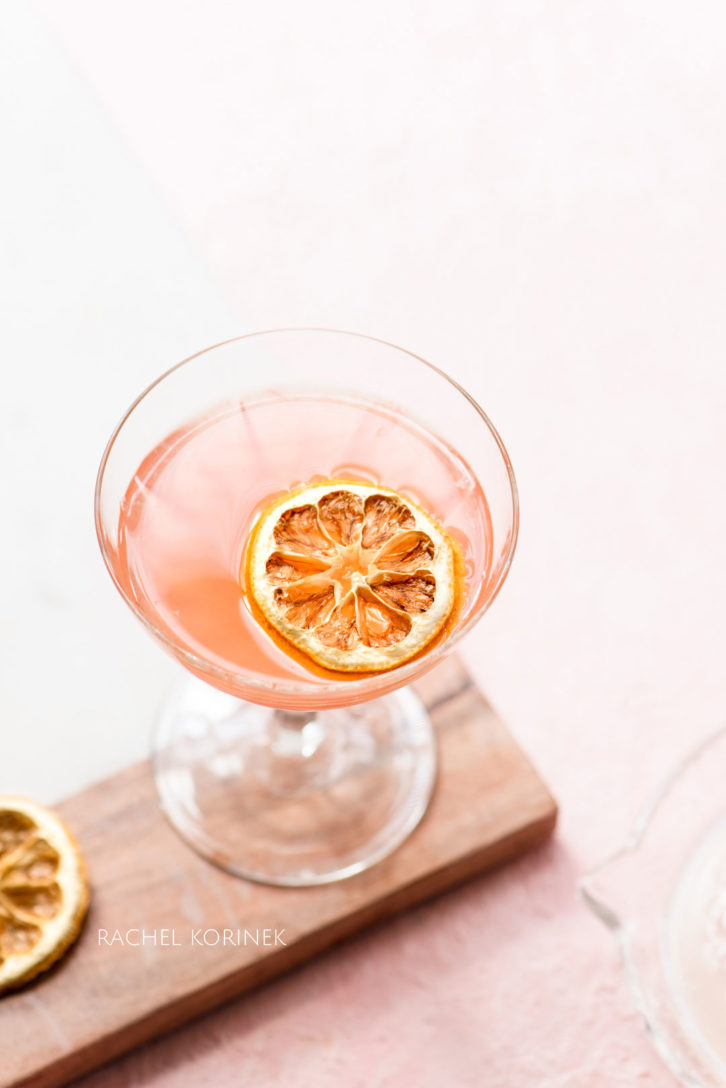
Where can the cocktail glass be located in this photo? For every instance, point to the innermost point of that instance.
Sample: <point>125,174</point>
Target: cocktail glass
<point>266,768</point>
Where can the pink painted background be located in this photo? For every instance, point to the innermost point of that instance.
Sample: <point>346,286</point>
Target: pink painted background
<point>531,196</point>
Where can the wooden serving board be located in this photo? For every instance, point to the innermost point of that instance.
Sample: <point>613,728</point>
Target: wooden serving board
<point>101,1000</point>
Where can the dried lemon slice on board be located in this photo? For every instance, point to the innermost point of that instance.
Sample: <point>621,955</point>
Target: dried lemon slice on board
<point>357,577</point>
<point>43,890</point>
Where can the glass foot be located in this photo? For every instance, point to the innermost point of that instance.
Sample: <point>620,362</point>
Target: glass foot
<point>288,797</point>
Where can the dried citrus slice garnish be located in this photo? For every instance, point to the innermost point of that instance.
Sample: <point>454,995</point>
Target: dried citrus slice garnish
<point>43,890</point>
<point>357,577</point>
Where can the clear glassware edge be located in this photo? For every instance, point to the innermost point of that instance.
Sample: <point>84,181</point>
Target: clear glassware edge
<point>607,913</point>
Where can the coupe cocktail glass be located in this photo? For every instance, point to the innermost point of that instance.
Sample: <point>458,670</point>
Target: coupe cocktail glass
<point>270,769</point>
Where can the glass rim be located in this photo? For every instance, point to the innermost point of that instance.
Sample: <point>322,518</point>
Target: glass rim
<point>402,673</point>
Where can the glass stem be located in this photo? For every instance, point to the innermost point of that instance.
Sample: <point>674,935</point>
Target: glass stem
<point>296,734</point>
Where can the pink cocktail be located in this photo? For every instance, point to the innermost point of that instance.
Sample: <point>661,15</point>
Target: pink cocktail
<point>282,771</point>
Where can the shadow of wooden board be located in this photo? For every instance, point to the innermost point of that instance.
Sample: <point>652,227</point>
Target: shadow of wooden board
<point>489,805</point>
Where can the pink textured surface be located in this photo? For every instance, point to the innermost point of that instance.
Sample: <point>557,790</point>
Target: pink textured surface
<point>531,196</point>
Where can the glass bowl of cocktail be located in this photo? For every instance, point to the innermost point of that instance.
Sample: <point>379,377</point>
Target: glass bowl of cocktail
<point>308,520</point>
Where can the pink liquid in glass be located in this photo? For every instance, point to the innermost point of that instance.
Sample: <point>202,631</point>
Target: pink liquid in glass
<point>188,512</point>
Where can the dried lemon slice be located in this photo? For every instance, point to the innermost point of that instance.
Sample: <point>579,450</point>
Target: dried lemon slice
<point>357,577</point>
<point>43,890</point>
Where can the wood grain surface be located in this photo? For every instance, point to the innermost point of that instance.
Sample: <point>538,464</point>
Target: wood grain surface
<point>489,805</point>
